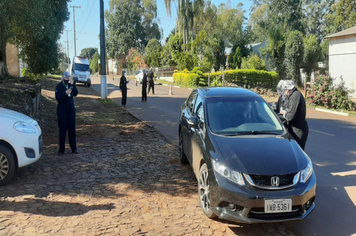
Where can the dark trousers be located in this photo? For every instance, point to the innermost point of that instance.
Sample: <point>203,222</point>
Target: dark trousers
<point>124,97</point>
<point>151,84</point>
<point>144,93</point>
<point>300,134</point>
<point>66,122</point>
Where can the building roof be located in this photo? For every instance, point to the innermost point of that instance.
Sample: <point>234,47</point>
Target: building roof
<point>349,31</point>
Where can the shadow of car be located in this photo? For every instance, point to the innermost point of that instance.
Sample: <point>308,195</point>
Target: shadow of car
<point>20,143</point>
<point>249,168</point>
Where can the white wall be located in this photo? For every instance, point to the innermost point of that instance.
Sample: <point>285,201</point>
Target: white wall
<point>342,61</point>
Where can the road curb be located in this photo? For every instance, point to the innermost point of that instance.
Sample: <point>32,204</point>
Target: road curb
<point>333,112</point>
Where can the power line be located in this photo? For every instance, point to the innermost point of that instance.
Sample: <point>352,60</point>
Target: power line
<point>88,15</point>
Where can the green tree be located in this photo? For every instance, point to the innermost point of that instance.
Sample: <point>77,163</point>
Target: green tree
<point>312,54</point>
<point>341,16</point>
<point>294,51</point>
<point>253,62</point>
<point>150,20</point>
<point>125,29</point>
<point>315,15</point>
<point>94,65</point>
<point>35,27</point>
<point>153,53</point>
<point>256,21</point>
<point>88,52</point>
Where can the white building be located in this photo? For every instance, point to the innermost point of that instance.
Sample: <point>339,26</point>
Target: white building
<point>342,58</point>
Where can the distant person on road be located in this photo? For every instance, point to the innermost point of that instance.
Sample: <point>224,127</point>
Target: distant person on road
<point>151,82</point>
<point>295,113</point>
<point>144,86</point>
<point>123,88</point>
<point>65,91</point>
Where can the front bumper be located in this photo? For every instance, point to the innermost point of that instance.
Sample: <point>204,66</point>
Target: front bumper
<point>82,80</point>
<point>245,204</point>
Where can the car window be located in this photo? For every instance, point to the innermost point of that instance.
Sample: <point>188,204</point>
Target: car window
<point>190,102</point>
<point>199,112</point>
<point>241,115</point>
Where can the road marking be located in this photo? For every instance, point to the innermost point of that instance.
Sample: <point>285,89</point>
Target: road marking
<point>321,132</point>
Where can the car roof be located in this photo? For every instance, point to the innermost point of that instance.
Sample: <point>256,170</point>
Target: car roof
<point>226,92</point>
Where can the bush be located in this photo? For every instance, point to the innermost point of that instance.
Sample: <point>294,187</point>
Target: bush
<point>327,95</point>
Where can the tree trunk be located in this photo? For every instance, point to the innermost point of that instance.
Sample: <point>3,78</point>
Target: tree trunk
<point>3,66</point>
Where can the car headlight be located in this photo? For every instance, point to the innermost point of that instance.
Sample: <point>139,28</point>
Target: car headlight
<point>226,172</point>
<point>306,173</point>
<point>24,128</point>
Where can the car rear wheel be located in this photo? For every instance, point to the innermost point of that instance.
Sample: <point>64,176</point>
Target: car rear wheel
<point>7,165</point>
<point>183,158</point>
<point>204,192</point>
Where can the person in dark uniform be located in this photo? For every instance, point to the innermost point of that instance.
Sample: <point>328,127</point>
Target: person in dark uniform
<point>123,88</point>
<point>295,113</point>
<point>282,97</point>
<point>151,82</point>
<point>65,91</point>
<point>144,86</point>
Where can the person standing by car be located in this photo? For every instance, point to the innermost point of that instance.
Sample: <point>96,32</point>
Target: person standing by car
<point>144,87</point>
<point>151,82</point>
<point>123,88</point>
<point>295,113</point>
<point>65,91</point>
<point>282,97</point>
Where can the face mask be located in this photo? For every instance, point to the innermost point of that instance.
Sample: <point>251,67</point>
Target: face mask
<point>66,81</point>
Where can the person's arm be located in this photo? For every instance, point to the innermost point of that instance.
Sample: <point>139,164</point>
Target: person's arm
<point>60,92</point>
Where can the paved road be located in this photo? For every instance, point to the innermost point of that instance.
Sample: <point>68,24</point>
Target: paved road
<point>331,146</point>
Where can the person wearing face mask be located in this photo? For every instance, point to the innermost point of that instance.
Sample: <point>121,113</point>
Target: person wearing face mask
<point>65,91</point>
<point>295,113</point>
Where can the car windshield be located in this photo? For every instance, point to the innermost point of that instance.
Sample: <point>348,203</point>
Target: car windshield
<point>81,67</point>
<point>241,116</point>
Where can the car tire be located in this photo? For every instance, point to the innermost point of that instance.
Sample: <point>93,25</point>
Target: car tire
<point>7,165</point>
<point>204,192</point>
<point>183,158</point>
<point>88,84</point>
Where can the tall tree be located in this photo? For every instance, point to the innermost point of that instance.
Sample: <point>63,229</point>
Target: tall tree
<point>153,53</point>
<point>150,20</point>
<point>125,29</point>
<point>88,52</point>
<point>341,16</point>
<point>312,53</point>
<point>315,16</point>
<point>34,26</point>
<point>294,52</point>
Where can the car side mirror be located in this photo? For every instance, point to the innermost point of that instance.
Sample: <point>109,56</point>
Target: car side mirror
<point>193,122</point>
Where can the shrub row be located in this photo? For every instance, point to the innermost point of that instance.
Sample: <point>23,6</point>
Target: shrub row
<point>247,78</point>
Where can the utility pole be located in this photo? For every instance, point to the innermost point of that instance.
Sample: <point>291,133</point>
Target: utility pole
<point>102,53</point>
<point>68,46</point>
<point>75,40</point>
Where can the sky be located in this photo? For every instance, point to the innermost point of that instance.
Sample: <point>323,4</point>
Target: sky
<point>87,22</point>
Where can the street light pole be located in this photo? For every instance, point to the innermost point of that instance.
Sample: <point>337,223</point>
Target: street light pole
<point>102,53</point>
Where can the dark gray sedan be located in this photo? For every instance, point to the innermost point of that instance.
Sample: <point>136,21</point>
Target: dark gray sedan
<point>249,168</point>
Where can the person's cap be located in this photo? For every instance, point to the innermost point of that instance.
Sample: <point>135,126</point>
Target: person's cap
<point>123,72</point>
<point>280,85</point>
<point>288,84</point>
<point>65,75</point>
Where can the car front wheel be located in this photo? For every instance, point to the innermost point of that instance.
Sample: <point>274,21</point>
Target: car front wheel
<point>183,158</point>
<point>204,192</point>
<point>7,165</point>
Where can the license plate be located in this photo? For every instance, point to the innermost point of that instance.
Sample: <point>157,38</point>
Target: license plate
<point>278,205</point>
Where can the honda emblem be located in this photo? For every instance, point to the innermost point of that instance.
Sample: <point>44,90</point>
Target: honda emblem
<point>275,181</point>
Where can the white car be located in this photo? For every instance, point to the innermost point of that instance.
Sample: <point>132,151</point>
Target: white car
<point>20,143</point>
<point>139,77</point>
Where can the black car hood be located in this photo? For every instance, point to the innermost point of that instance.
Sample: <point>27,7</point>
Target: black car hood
<point>260,154</point>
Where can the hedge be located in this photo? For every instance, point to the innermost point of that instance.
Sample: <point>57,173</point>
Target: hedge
<point>247,78</point>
